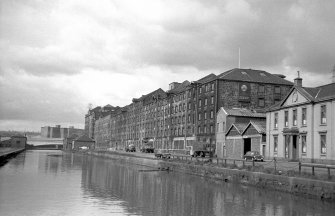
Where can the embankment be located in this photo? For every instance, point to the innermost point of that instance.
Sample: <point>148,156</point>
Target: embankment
<point>6,155</point>
<point>324,190</point>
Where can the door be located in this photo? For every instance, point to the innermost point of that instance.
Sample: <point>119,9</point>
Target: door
<point>294,147</point>
<point>247,145</point>
<point>263,150</point>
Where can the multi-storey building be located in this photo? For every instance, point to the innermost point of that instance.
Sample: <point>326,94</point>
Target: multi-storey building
<point>302,126</point>
<point>59,132</point>
<point>187,111</point>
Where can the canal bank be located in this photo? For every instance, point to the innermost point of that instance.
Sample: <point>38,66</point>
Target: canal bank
<point>8,153</point>
<point>324,190</point>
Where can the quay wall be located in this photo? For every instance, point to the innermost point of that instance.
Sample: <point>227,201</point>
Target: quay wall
<point>324,190</point>
<point>4,156</point>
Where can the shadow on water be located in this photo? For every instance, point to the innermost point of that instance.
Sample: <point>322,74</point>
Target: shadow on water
<point>58,183</point>
<point>171,193</point>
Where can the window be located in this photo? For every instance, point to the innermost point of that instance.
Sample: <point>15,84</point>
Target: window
<point>176,109</point>
<point>212,129</point>
<point>217,127</point>
<point>275,143</point>
<point>212,100</point>
<point>277,89</point>
<point>223,126</point>
<point>205,101</point>
<point>323,145</point>
<point>206,88</point>
<point>212,86</point>
<point>205,129</point>
<point>178,131</point>
<point>261,89</point>
<point>303,116</point>
<point>200,103</point>
<point>189,106</point>
<point>261,102</point>
<point>179,107</point>
<point>199,116</point>
<point>199,129</point>
<point>286,119</point>
<point>263,138</point>
<point>205,117</point>
<point>303,144</point>
<point>189,118</point>
<point>212,114</point>
<point>200,90</point>
<point>276,120</point>
<point>184,105</point>
<point>323,114</point>
<point>294,117</point>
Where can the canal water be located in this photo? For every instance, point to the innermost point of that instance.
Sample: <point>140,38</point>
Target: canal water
<point>57,183</point>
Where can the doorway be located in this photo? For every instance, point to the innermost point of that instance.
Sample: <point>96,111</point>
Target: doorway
<point>247,145</point>
<point>263,150</point>
<point>294,147</point>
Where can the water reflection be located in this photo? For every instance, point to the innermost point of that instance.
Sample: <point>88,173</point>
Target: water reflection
<point>171,193</point>
<point>57,183</point>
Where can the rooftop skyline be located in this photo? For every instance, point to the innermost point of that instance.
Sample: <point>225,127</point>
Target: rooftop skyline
<point>59,56</point>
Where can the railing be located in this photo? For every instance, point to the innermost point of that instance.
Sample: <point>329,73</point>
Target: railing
<point>313,166</point>
<point>218,161</point>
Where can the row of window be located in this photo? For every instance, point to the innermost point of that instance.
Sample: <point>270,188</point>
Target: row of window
<point>205,129</point>
<point>323,118</point>
<point>206,101</point>
<point>323,144</point>
<point>207,88</point>
<point>205,115</point>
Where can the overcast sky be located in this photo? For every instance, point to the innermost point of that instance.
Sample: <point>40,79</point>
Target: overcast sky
<point>58,56</point>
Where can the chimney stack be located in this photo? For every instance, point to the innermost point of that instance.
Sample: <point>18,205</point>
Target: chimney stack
<point>298,80</point>
<point>333,79</point>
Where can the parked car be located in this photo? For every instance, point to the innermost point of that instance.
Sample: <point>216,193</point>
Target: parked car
<point>130,148</point>
<point>162,155</point>
<point>147,149</point>
<point>254,156</point>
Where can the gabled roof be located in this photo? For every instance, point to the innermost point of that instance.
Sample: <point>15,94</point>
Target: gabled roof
<point>260,126</point>
<point>207,78</point>
<point>313,95</point>
<point>180,88</point>
<point>84,138</point>
<point>242,112</point>
<point>250,75</point>
<point>155,95</point>
<point>238,126</point>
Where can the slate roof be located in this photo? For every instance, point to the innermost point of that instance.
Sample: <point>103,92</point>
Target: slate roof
<point>260,126</point>
<point>181,88</point>
<point>84,138</point>
<point>326,92</point>
<point>250,75</point>
<point>239,127</point>
<point>313,95</point>
<point>207,78</point>
<point>243,112</point>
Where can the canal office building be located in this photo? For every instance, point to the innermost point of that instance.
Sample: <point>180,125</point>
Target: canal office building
<point>302,126</point>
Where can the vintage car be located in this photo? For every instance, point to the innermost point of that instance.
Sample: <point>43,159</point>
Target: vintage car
<point>147,149</point>
<point>254,156</point>
<point>130,148</point>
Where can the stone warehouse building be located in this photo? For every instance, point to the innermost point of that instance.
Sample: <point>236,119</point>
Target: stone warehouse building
<point>186,112</point>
